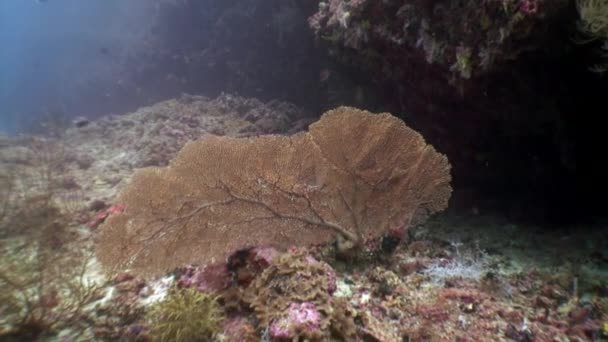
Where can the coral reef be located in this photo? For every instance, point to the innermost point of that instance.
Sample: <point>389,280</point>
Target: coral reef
<point>185,315</point>
<point>239,329</point>
<point>299,190</point>
<point>292,299</point>
<point>387,36</point>
<point>593,24</point>
<point>209,278</point>
<point>468,76</point>
<point>472,278</point>
<point>120,314</point>
<point>52,186</point>
<point>300,319</point>
<point>101,156</point>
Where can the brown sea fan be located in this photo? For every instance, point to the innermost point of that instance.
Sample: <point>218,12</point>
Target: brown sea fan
<point>354,174</point>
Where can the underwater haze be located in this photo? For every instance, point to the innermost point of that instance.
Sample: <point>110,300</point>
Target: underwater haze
<point>55,54</point>
<point>303,170</point>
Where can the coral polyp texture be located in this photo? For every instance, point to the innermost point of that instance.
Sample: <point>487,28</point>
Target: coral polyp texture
<point>462,38</point>
<point>293,298</point>
<point>354,175</point>
<point>186,315</point>
<point>593,24</point>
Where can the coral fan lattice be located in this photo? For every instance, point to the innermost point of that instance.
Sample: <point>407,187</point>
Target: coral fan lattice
<point>354,174</point>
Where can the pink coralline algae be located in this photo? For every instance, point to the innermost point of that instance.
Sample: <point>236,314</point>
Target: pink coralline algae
<point>207,279</point>
<point>332,284</point>
<point>247,264</point>
<point>102,215</point>
<point>331,273</point>
<point>300,317</point>
<point>237,328</point>
<point>263,256</point>
<point>529,7</point>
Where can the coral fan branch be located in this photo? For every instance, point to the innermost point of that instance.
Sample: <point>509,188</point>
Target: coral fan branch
<point>321,223</point>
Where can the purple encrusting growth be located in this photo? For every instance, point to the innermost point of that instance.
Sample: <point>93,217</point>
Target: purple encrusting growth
<point>205,279</point>
<point>331,274</point>
<point>299,317</point>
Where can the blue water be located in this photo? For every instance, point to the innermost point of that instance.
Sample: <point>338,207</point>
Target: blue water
<point>50,49</point>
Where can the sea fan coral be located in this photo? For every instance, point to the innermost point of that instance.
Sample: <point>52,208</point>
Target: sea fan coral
<point>354,175</point>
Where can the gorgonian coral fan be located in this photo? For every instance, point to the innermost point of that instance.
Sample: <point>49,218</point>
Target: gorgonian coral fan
<point>353,175</point>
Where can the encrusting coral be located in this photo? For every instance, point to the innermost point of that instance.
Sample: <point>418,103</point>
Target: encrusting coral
<point>393,39</point>
<point>293,299</point>
<point>354,175</point>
